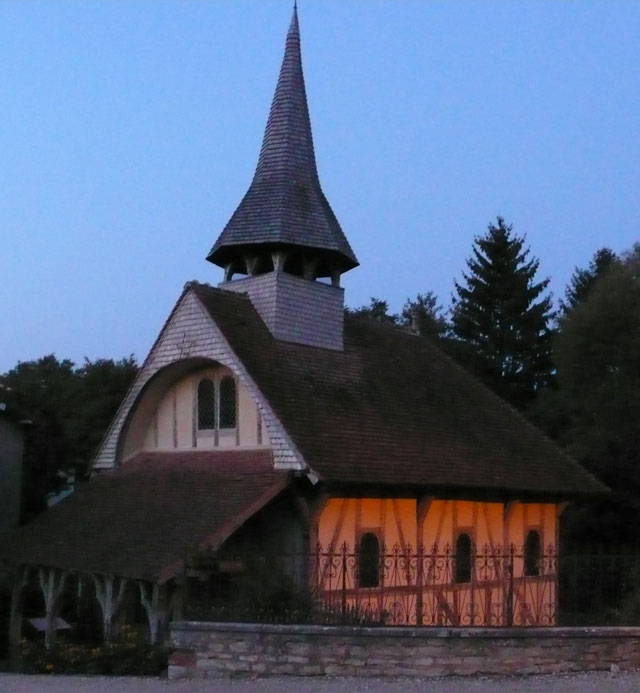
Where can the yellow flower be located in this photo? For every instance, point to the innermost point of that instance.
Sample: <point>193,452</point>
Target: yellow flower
<point>49,666</point>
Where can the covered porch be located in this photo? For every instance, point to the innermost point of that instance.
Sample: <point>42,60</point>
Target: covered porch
<point>120,549</point>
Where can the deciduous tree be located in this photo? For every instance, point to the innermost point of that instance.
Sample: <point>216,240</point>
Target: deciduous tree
<point>594,412</point>
<point>69,409</point>
<point>376,310</point>
<point>424,314</point>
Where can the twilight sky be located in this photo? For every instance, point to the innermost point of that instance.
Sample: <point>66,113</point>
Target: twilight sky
<point>130,130</point>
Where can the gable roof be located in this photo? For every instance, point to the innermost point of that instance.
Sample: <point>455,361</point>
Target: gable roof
<point>392,409</point>
<point>285,204</point>
<point>143,520</point>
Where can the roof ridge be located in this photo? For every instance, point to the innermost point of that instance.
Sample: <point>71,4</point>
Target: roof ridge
<point>221,289</point>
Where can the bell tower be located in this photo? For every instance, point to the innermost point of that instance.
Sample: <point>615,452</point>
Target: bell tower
<point>283,246</point>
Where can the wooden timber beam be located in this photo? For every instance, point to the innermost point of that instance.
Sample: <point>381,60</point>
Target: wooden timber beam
<point>423,503</point>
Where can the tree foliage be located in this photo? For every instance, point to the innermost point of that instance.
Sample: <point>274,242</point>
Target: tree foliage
<point>425,315</point>
<point>597,353</point>
<point>69,409</point>
<point>594,413</point>
<point>584,279</point>
<point>376,310</point>
<point>501,316</point>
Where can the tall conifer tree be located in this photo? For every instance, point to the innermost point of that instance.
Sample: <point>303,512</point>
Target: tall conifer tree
<point>501,316</point>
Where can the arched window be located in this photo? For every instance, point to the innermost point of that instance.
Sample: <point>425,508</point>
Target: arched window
<point>532,553</point>
<point>227,403</point>
<point>463,558</point>
<point>369,561</point>
<point>206,404</point>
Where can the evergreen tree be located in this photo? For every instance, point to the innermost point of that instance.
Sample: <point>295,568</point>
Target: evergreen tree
<point>583,280</point>
<point>501,316</point>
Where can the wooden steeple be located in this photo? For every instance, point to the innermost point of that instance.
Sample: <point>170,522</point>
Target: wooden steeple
<point>284,222</point>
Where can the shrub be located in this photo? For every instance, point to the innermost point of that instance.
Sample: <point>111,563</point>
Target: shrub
<point>130,655</point>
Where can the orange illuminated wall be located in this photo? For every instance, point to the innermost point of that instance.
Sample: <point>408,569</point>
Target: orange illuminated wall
<point>420,576</point>
<point>406,522</point>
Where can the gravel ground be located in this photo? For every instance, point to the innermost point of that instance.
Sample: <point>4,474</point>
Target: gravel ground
<point>600,682</point>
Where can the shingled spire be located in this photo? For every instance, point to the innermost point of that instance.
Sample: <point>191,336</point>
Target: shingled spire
<point>284,222</point>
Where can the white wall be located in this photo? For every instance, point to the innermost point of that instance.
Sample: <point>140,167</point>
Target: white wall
<point>173,424</point>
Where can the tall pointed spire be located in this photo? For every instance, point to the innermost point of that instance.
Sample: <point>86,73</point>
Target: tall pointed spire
<point>284,220</point>
<point>287,147</point>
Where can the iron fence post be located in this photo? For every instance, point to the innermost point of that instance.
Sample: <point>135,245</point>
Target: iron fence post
<point>510,586</point>
<point>344,583</point>
<point>419,579</point>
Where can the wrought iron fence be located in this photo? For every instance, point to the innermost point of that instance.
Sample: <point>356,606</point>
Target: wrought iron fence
<point>441,586</point>
<point>437,587</point>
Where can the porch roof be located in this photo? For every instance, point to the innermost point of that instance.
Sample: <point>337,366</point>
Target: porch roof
<point>145,519</point>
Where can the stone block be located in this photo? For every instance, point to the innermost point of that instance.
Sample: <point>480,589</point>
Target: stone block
<point>180,672</point>
<point>181,658</point>
<point>239,646</point>
<point>279,669</point>
<point>339,670</point>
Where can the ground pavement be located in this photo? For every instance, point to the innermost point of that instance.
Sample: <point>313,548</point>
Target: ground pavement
<point>599,682</point>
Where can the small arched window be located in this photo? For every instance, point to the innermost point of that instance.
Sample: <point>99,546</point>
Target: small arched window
<point>532,551</point>
<point>369,561</point>
<point>206,404</point>
<point>227,403</point>
<point>463,558</point>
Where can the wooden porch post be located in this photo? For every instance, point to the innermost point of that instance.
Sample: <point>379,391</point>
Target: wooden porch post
<point>108,600</point>
<point>154,601</point>
<point>16,617</point>
<point>52,585</point>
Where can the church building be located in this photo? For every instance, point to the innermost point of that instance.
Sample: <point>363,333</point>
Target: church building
<point>266,421</point>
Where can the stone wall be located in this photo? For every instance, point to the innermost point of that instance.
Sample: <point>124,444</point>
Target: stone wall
<point>222,649</point>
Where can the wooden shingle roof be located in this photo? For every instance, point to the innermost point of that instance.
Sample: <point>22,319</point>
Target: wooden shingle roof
<point>285,205</point>
<point>393,410</point>
<point>143,520</point>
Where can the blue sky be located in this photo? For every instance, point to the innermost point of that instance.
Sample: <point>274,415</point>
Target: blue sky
<point>129,131</point>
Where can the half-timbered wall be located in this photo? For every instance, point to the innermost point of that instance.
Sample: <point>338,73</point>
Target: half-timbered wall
<point>438,562</point>
<point>407,522</point>
<point>345,520</point>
